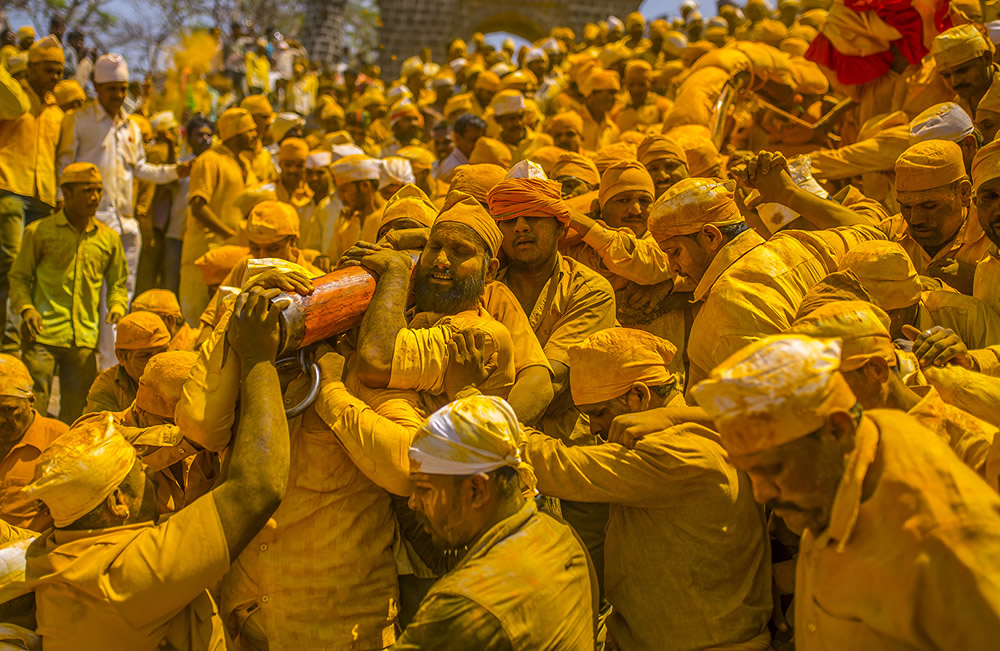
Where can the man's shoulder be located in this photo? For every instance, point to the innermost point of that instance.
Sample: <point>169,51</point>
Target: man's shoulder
<point>583,278</point>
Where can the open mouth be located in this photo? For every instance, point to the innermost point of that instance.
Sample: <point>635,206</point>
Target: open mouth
<point>440,278</point>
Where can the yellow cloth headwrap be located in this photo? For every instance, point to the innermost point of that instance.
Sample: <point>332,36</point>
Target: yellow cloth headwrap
<point>490,150</point>
<point>607,363</point>
<point>80,173</point>
<point>68,90</point>
<point>691,204</point>
<point>233,122</point>
<point>257,105</point>
<point>566,120</point>
<point>886,272</point>
<point>80,469</point>
<point>157,301</point>
<point>47,49</point>
<point>409,202</point>
<point>929,164</point>
<point>461,208</point>
<point>775,391</point>
<point>986,164</point>
<point>160,386</point>
<point>272,221</point>
<point>955,46</point>
<point>476,180</point>
<point>862,328</point>
<point>293,149</point>
<point>15,380</point>
<point>658,147</point>
<point>581,167</point>
<point>141,330</point>
<point>626,176</point>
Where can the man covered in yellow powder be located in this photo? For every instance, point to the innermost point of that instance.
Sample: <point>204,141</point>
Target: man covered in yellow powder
<point>139,337</point>
<point>854,482</point>
<point>261,161</point>
<point>218,177</point>
<point>964,62</point>
<point>407,128</point>
<point>674,498</point>
<point>356,177</point>
<point>986,192</point>
<point>748,288</point>
<point>642,108</point>
<point>290,186</point>
<point>665,160</point>
<point>484,88</point>
<point>599,89</point>
<point>509,111</point>
<point>525,581</point>
<point>870,365</point>
<point>576,174</point>
<point>24,435</point>
<point>135,583</point>
<point>566,129</point>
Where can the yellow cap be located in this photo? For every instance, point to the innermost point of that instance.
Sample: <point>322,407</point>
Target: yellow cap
<point>659,147</point>
<point>616,152</point>
<point>293,149</point>
<point>476,180</point>
<point>47,49</point>
<point>258,105</point>
<point>607,363</point>
<point>158,301</point>
<point>576,165</point>
<point>638,70</point>
<point>490,150</point>
<point>599,79</point>
<point>421,159</point>
<point>625,176</point>
<point>409,202</point>
<point>80,173</point>
<point>986,164</point>
<point>955,46</point>
<point>461,208</point>
<point>162,381</point>
<point>929,164</point>
<point>140,331</point>
<point>775,391</point>
<point>272,221</point>
<point>886,272</point>
<point>862,328</point>
<point>25,31</point>
<point>67,91</point>
<point>80,469</point>
<point>233,122</point>
<point>487,81</point>
<point>691,204</point>
<point>15,380</point>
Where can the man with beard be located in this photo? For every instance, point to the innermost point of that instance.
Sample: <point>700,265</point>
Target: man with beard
<point>509,111</point>
<point>356,177</point>
<point>525,581</point>
<point>986,190</point>
<point>599,88</point>
<point>407,128</point>
<point>964,62</point>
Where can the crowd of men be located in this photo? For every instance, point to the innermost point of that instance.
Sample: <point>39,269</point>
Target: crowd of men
<point>676,335</point>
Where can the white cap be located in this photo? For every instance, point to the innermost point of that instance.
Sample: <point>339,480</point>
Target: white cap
<point>535,54</point>
<point>457,64</point>
<point>318,159</point>
<point>945,121</point>
<point>507,103</point>
<point>163,120</point>
<point>395,170</point>
<point>110,68</point>
<point>615,23</point>
<point>689,4</point>
<point>397,93</point>
<point>526,170</point>
<point>551,46</point>
<point>993,30</point>
<point>340,151</point>
<point>500,69</point>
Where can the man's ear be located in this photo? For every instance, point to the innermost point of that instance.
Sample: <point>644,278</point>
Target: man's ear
<point>639,397</point>
<point>713,237</point>
<point>843,428</point>
<point>491,270</point>
<point>877,370</point>
<point>116,504</point>
<point>478,489</point>
<point>965,192</point>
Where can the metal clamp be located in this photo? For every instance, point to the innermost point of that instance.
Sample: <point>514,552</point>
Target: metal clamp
<point>310,368</point>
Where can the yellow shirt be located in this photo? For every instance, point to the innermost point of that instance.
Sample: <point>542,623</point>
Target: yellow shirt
<point>262,165</point>
<point>753,288</point>
<point>913,566</point>
<point>218,177</point>
<point>683,530</point>
<point>503,306</point>
<point>970,244</point>
<point>628,116</point>
<point>17,470</point>
<point>131,587</point>
<point>29,134</point>
<point>986,285</point>
<point>352,227</point>
<point>969,437</point>
<point>597,135</point>
<point>113,390</point>
<point>60,271</point>
<point>620,256</point>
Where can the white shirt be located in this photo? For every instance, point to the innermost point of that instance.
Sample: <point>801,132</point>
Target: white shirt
<point>115,146</point>
<point>455,159</point>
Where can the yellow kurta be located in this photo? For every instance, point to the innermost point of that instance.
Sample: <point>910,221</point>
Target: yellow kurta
<point>30,127</point>
<point>620,256</point>
<point>113,390</point>
<point>597,135</point>
<point>17,470</point>
<point>969,437</point>
<point>628,116</point>
<point>969,246</point>
<point>913,566</point>
<point>683,530</point>
<point>986,286</point>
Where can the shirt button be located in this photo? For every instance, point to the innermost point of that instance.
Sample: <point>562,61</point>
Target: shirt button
<point>263,547</point>
<point>265,599</point>
<point>182,450</point>
<point>811,627</point>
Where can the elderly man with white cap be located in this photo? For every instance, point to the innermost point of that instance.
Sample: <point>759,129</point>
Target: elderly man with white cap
<point>133,583</point>
<point>525,581</point>
<point>901,541</point>
<point>103,134</point>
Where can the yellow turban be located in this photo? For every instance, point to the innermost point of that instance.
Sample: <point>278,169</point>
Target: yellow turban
<point>409,202</point>
<point>470,436</point>
<point>233,122</point>
<point>461,208</point>
<point>257,105</point>
<point>356,167</point>
<point>513,198</point>
<point>566,120</point>
<point>476,180</point>
<point>158,301</point>
<point>490,150</point>
<point>332,110</point>
<point>638,70</point>
<point>690,205</point>
<point>25,31</point>
<point>862,328</point>
<point>546,157</point>
<point>15,380</point>
<point>67,91</point>
<point>929,164</point>
<point>456,103</point>
<point>702,155</point>
<point>80,469</point>
<point>986,164</point>
<point>617,152</point>
<point>886,272</point>
<point>272,221</point>
<point>162,381</point>
<point>575,165</point>
<point>217,263</point>
<point>775,391</point>
<point>293,149</point>
<point>634,19</point>
<point>487,81</point>
<point>47,49</point>
<point>658,147</point>
<point>600,80</point>
<point>625,176</point>
<point>80,173</point>
<point>794,46</point>
<point>421,159</point>
<point>814,18</point>
<point>770,31</point>
<point>607,363</point>
<point>141,330</point>
<point>955,46</point>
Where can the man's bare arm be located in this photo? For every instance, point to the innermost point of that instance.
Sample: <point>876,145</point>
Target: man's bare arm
<point>201,211</point>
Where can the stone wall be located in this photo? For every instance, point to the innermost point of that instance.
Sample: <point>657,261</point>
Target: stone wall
<point>409,25</point>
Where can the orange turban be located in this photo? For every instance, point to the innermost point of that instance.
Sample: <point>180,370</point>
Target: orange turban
<point>886,272</point>
<point>638,70</point>
<point>929,164</point>
<point>15,380</point>
<point>513,198</point>
<point>476,180</point>
<point>691,204</point>
<point>575,165</point>
<point>606,364</point>
<point>862,328</point>
<point>986,164</point>
<point>409,202</point>
<point>157,301</point>
<point>626,176</point>
<point>614,153</point>
<point>141,330</point>
<point>659,147</point>
<point>566,120</point>
<point>293,149</point>
<point>465,209</point>
<point>272,221</point>
<point>80,469</point>
<point>162,381</point>
<point>217,263</point>
<point>490,150</point>
<point>488,81</point>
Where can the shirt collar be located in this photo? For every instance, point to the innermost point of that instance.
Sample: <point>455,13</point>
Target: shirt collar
<point>730,253</point>
<point>33,436</point>
<point>548,290</point>
<point>62,220</point>
<point>847,501</point>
